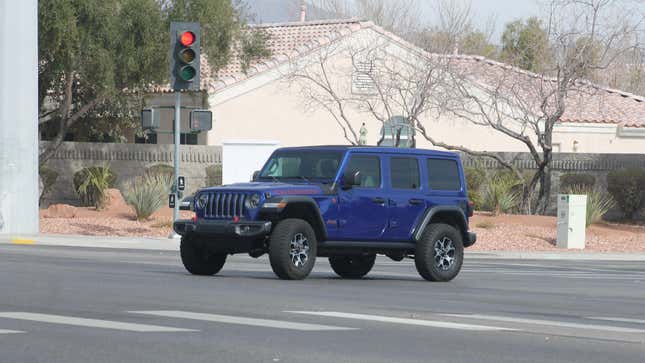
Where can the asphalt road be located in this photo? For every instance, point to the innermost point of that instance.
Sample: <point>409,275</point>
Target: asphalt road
<point>98,305</point>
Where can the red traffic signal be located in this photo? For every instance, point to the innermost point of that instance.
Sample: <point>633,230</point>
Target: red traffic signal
<point>187,38</point>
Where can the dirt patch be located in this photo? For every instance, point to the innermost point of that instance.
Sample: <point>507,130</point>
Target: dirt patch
<point>117,219</point>
<point>538,233</point>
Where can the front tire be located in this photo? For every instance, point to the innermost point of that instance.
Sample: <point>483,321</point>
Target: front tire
<point>198,260</point>
<point>352,267</point>
<point>292,249</point>
<point>439,253</point>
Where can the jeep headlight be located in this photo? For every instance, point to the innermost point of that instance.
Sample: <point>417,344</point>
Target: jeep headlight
<point>253,201</point>
<point>201,201</point>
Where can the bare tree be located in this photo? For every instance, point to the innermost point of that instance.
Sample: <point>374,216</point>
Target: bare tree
<point>585,36</point>
<point>412,87</point>
<point>397,16</point>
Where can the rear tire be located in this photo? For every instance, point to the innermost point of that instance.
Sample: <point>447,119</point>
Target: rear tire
<point>292,249</point>
<point>198,260</point>
<point>439,253</point>
<point>352,267</point>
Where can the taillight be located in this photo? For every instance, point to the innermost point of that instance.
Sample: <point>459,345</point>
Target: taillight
<point>194,218</point>
<point>471,208</point>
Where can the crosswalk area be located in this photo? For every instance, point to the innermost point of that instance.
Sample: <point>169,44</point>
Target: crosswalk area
<point>618,328</point>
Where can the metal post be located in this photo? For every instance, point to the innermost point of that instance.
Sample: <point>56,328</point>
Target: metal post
<point>175,213</point>
<point>18,118</point>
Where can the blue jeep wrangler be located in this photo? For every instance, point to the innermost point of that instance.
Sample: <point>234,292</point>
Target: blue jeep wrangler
<point>342,202</point>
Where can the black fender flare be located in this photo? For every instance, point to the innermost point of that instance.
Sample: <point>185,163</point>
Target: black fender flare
<point>431,212</point>
<point>282,203</point>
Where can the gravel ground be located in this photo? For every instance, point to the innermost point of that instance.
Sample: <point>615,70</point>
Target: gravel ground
<point>498,233</point>
<point>538,233</point>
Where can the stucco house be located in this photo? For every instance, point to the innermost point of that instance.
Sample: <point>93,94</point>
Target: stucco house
<point>266,102</point>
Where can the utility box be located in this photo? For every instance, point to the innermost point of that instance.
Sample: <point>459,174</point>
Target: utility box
<point>572,217</point>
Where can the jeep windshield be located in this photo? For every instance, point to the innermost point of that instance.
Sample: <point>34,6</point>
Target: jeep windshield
<point>319,166</point>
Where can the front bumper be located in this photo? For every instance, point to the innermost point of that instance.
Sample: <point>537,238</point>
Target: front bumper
<point>472,238</point>
<point>205,227</point>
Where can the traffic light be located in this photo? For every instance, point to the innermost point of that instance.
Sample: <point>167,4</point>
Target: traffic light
<point>184,56</point>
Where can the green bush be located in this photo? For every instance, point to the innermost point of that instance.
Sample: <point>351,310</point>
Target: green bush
<point>502,193</point>
<point>91,185</point>
<point>213,175</point>
<point>627,186</point>
<point>147,193</point>
<point>568,181</point>
<point>598,202</point>
<point>474,180</point>
<point>49,177</point>
<point>161,169</point>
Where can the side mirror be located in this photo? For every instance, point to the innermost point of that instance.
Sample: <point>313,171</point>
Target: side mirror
<point>255,175</point>
<point>351,180</point>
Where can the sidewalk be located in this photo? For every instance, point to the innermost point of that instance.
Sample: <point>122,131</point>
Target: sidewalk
<point>167,244</point>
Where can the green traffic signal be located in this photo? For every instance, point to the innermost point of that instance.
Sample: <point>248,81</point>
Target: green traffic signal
<point>187,73</point>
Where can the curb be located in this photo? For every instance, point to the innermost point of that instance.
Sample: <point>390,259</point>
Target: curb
<point>565,255</point>
<point>136,243</point>
<point>168,244</point>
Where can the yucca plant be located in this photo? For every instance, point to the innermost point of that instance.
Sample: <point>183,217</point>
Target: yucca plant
<point>598,202</point>
<point>147,193</point>
<point>92,183</point>
<point>501,193</point>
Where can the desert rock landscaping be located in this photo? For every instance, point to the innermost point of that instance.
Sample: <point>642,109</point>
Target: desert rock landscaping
<point>504,232</point>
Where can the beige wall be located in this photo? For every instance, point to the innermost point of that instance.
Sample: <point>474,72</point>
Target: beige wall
<point>267,106</point>
<point>276,112</point>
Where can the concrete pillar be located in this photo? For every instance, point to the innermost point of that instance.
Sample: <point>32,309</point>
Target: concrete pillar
<point>18,117</point>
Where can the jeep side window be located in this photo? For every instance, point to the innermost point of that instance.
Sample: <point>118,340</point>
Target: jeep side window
<point>404,173</point>
<point>443,174</point>
<point>370,168</point>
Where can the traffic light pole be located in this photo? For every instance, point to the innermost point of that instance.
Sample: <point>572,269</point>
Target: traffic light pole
<point>175,213</point>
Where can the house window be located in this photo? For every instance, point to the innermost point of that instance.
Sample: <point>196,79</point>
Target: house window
<point>188,139</point>
<point>362,78</point>
<point>148,138</point>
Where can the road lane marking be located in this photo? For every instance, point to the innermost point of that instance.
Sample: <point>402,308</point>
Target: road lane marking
<point>563,324</point>
<point>228,319</point>
<point>90,323</point>
<point>387,319</point>
<point>3,331</point>
<point>620,320</point>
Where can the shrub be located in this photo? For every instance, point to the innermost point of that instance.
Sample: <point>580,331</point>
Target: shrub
<point>213,175</point>
<point>628,189</point>
<point>92,183</point>
<point>147,193</point>
<point>598,202</point>
<point>48,177</point>
<point>568,181</point>
<point>474,180</point>
<point>161,169</point>
<point>502,193</point>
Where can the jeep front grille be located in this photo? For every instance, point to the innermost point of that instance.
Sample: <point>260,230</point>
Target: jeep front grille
<point>225,205</point>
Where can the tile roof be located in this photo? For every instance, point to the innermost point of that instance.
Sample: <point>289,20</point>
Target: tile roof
<point>593,104</point>
<point>588,103</point>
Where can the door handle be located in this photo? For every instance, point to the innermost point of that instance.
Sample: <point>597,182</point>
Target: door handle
<point>378,200</point>
<point>415,201</point>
